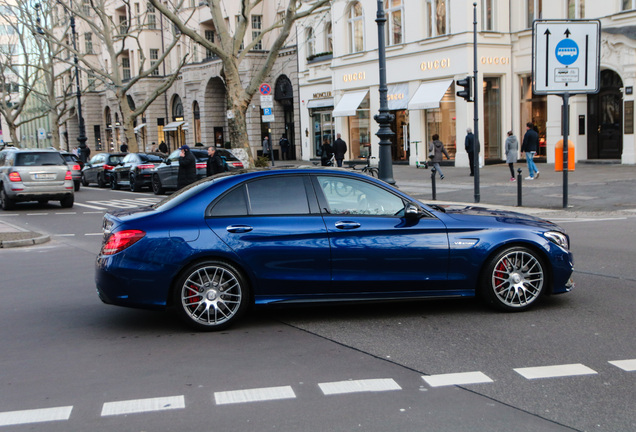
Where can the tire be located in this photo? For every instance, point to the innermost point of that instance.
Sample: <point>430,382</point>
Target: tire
<point>76,185</point>
<point>211,295</point>
<point>67,202</point>
<point>113,183</point>
<point>157,189</point>
<point>5,202</point>
<point>514,279</point>
<point>101,180</point>
<point>84,181</point>
<point>134,187</point>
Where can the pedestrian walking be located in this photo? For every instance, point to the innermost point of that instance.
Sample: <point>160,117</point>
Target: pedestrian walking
<point>339,149</point>
<point>153,147</point>
<point>123,148</point>
<point>512,147</point>
<point>267,149</point>
<point>284,147</point>
<point>163,148</point>
<point>435,151</point>
<point>469,145</point>
<point>326,153</point>
<point>187,167</point>
<point>215,164</point>
<point>530,146</point>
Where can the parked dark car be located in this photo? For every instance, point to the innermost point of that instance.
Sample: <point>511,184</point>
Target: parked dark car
<point>75,165</point>
<point>224,243</point>
<point>98,169</point>
<point>165,177</point>
<point>135,171</point>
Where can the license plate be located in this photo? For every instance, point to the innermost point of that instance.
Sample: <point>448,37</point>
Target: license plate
<point>44,176</point>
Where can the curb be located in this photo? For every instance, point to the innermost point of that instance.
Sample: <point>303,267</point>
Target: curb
<point>24,242</point>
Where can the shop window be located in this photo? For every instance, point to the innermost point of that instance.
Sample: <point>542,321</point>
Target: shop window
<point>441,121</point>
<point>492,118</point>
<point>360,131</point>
<point>534,108</point>
<point>322,125</point>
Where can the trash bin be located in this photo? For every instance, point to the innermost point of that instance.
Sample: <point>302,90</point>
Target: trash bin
<point>558,156</point>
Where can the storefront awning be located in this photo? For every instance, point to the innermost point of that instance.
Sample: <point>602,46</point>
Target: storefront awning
<point>349,104</point>
<point>185,126</point>
<point>138,128</point>
<point>320,103</point>
<point>429,94</point>
<point>172,126</point>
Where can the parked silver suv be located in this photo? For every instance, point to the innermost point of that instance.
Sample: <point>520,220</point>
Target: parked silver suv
<point>34,175</point>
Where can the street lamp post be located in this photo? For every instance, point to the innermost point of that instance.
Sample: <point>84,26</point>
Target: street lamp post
<point>384,118</point>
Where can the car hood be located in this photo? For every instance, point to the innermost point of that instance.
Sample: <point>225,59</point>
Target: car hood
<point>468,213</point>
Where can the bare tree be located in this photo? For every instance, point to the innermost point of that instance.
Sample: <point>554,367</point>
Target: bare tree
<point>229,48</point>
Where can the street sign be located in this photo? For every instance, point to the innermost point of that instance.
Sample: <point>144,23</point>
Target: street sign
<point>267,101</point>
<point>265,89</point>
<point>267,111</point>
<point>566,56</point>
<point>267,118</point>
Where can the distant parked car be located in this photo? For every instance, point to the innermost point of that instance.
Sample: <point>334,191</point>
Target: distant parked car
<point>135,171</point>
<point>165,176</point>
<point>98,169</point>
<point>34,175</point>
<point>75,165</point>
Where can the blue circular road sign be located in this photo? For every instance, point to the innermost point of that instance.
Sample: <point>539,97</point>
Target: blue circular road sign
<point>567,51</point>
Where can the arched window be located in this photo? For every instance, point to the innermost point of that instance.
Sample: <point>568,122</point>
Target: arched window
<point>311,42</point>
<point>356,28</point>
<point>395,21</point>
<point>177,109</point>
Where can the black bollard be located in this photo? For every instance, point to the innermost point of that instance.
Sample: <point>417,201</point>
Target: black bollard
<point>433,172</point>
<point>519,180</point>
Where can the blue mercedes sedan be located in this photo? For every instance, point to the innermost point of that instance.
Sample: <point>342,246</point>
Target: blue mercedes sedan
<point>257,237</point>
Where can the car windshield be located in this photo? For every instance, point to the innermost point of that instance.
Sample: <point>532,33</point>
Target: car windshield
<point>38,159</point>
<point>113,160</point>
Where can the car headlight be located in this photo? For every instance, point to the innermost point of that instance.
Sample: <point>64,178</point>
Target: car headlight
<point>558,238</point>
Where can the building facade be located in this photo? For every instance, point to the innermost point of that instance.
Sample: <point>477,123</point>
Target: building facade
<point>429,46</point>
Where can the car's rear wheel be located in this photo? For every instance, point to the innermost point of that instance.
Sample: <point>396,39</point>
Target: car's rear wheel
<point>514,279</point>
<point>211,295</point>
<point>101,180</point>
<point>157,189</point>
<point>113,183</point>
<point>84,181</point>
<point>134,186</point>
<point>5,202</point>
<point>67,201</point>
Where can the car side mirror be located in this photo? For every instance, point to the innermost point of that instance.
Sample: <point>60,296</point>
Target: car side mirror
<point>412,211</point>
<point>168,162</point>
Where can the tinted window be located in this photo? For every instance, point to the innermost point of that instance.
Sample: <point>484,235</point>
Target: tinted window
<point>200,155</point>
<point>226,154</point>
<point>351,196</point>
<point>232,204</point>
<point>114,160</point>
<point>150,158</point>
<point>283,195</point>
<point>38,159</point>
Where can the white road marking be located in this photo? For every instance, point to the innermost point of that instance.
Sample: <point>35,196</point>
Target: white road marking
<point>95,212</point>
<point>461,378</point>
<point>37,214</point>
<point>254,395</point>
<point>66,213</point>
<point>555,371</point>
<point>626,365</point>
<point>143,405</point>
<point>358,386</point>
<point>94,207</point>
<point>94,234</point>
<point>63,235</point>
<point>9,214</point>
<point>35,415</point>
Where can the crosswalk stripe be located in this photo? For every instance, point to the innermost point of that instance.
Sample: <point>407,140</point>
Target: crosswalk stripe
<point>35,415</point>
<point>555,371</point>
<point>358,386</point>
<point>143,405</point>
<point>626,365</point>
<point>254,395</point>
<point>94,207</point>
<point>461,378</point>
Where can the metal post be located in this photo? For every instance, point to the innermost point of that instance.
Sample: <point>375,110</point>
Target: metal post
<point>476,106</point>
<point>82,129</point>
<point>519,189</point>
<point>384,118</point>
<point>566,126</point>
<point>433,172</point>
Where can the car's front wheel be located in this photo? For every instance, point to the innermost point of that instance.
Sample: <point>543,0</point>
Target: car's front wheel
<point>134,186</point>
<point>101,180</point>
<point>113,183</point>
<point>211,295</point>
<point>514,279</point>
<point>157,188</point>
<point>84,181</point>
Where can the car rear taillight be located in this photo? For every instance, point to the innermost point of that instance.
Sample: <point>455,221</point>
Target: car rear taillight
<point>237,164</point>
<point>121,240</point>
<point>76,167</point>
<point>68,176</point>
<point>15,177</point>
<point>108,167</point>
<point>145,166</point>
<point>202,165</point>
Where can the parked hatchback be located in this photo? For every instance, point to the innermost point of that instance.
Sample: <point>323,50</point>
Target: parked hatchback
<point>135,171</point>
<point>34,175</point>
<point>98,169</point>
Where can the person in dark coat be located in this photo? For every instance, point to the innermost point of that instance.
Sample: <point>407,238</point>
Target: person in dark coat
<point>469,145</point>
<point>436,150</point>
<point>530,146</point>
<point>284,147</point>
<point>326,154</point>
<point>163,148</point>
<point>123,148</point>
<point>187,167</point>
<point>339,149</point>
<point>215,164</point>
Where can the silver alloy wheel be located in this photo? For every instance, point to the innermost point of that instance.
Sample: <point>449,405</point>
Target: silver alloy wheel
<point>517,278</point>
<point>211,295</point>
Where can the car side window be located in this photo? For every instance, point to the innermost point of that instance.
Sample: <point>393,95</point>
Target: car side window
<point>351,196</point>
<point>232,204</point>
<point>174,156</point>
<point>280,195</point>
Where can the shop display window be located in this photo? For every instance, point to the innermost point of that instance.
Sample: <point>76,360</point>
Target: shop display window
<point>441,121</point>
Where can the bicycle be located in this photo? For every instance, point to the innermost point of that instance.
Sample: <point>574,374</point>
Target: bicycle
<point>367,169</point>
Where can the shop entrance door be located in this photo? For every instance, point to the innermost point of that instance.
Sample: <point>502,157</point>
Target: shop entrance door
<point>605,119</point>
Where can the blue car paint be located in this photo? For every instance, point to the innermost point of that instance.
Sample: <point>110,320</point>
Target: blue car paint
<point>284,266</point>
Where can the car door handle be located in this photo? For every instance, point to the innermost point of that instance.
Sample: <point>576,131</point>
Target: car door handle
<point>239,228</point>
<point>347,225</point>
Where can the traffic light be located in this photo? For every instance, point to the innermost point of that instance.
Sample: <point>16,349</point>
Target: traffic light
<point>467,83</point>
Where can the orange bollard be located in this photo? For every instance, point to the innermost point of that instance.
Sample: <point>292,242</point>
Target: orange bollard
<point>558,156</point>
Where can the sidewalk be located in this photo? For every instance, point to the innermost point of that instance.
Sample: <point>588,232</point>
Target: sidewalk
<point>592,188</point>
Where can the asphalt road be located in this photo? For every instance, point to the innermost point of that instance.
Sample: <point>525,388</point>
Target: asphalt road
<point>74,364</point>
